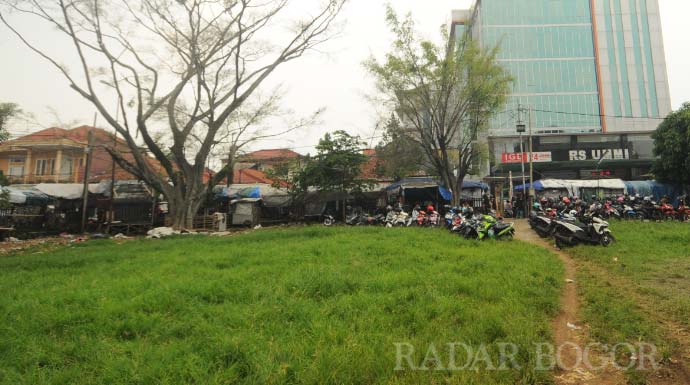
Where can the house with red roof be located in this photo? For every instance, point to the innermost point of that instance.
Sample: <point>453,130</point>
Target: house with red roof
<point>57,155</point>
<point>264,160</point>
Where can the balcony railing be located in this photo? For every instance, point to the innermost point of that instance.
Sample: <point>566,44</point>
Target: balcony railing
<point>35,179</point>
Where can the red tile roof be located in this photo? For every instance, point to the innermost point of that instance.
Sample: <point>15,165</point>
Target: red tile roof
<point>47,134</point>
<point>250,176</point>
<point>102,164</point>
<point>275,154</point>
<point>369,168</point>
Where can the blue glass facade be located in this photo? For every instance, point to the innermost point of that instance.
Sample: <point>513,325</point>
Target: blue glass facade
<point>631,69</point>
<point>548,47</point>
<point>592,71</point>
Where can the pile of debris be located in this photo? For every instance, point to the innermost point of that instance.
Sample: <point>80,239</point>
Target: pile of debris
<point>162,232</point>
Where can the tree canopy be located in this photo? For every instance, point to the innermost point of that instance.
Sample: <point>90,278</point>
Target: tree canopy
<point>337,165</point>
<point>399,154</point>
<point>445,93</point>
<point>7,112</point>
<point>183,67</point>
<point>672,148</point>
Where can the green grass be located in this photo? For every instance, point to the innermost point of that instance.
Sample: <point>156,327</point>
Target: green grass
<point>294,306</point>
<point>633,289</point>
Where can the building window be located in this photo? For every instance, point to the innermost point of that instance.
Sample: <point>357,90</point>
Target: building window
<point>67,167</point>
<point>45,166</point>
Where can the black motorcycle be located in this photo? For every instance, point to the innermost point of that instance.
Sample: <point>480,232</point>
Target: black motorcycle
<point>588,230</point>
<point>541,224</point>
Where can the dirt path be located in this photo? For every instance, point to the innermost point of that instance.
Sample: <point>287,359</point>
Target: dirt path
<point>571,340</point>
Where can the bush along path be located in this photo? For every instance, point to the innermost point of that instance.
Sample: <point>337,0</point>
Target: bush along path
<point>570,337</point>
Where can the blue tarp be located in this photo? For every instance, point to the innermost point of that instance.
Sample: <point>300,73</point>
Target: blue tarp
<point>232,194</point>
<point>653,188</point>
<point>445,194</point>
<point>538,186</point>
<point>431,182</point>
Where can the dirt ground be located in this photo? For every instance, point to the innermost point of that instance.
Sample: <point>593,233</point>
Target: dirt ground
<point>563,334</point>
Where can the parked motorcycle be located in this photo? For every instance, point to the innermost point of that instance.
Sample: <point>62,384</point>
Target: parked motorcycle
<point>328,220</point>
<point>356,219</point>
<point>450,216</point>
<point>458,225</point>
<point>398,218</point>
<point>589,230</point>
<point>683,212</point>
<point>488,227</point>
<point>668,212</point>
<point>433,219</point>
<point>541,223</point>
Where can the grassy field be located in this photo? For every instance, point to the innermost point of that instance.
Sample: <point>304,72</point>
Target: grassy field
<point>638,289</point>
<point>292,306</point>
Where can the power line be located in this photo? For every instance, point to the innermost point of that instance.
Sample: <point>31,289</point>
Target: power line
<point>598,115</point>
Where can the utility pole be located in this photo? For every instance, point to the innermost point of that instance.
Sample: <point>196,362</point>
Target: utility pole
<point>231,166</point>
<point>531,165</point>
<point>521,129</point>
<point>87,169</point>
<point>111,210</point>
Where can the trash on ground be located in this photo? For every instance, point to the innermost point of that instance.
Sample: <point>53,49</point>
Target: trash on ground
<point>573,326</point>
<point>160,232</point>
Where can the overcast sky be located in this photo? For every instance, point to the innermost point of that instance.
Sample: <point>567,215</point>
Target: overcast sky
<point>333,78</point>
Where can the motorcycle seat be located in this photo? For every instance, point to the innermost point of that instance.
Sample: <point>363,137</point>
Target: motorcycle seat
<point>502,226</point>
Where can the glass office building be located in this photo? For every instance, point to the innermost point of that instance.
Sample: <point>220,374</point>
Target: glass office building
<point>589,69</point>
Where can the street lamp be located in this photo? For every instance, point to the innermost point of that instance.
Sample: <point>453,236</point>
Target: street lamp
<point>603,155</point>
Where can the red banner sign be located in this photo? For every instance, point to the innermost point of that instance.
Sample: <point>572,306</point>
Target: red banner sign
<point>516,157</point>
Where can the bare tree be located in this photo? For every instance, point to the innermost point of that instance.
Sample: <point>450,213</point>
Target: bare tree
<point>196,62</point>
<point>445,93</point>
<point>247,126</point>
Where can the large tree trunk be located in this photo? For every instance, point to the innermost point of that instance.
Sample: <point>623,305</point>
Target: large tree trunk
<point>184,204</point>
<point>457,193</point>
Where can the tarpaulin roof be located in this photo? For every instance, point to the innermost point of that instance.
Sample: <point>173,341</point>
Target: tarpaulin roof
<point>26,194</point>
<point>468,184</point>
<point>413,183</point>
<point>271,196</point>
<point>71,190</point>
<point>245,200</point>
<point>573,186</point>
<point>238,192</point>
<point>424,182</point>
<point>130,190</point>
<point>15,196</point>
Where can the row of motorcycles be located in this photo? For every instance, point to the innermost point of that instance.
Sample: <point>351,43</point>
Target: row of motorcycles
<point>478,226</point>
<point>637,208</point>
<point>571,228</point>
<point>396,218</point>
<point>460,221</point>
<point>646,209</point>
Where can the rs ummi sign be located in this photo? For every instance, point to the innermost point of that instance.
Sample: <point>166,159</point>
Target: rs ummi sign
<point>616,154</point>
